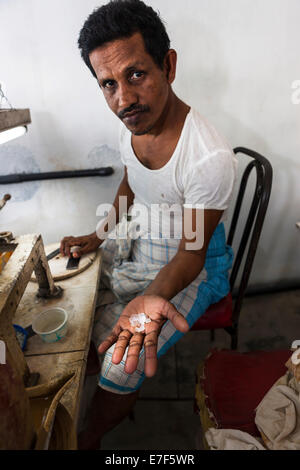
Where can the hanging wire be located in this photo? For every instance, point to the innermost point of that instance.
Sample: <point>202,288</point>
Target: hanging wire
<point>4,98</point>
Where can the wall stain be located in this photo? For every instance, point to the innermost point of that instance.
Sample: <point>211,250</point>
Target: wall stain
<point>18,159</point>
<point>103,156</point>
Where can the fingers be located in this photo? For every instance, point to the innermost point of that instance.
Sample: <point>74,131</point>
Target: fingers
<point>121,346</point>
<point>135,346</point>
<point>66,244</point>
<point>84,245</point>
<point>62,246</point>
<point>150,344</point>
<point>176,318</point>
<point>76,251</point>
<point>109,341</point>
<point>67,247</point>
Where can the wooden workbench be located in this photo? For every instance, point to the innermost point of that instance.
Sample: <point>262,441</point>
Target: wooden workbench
<point>69,354</point>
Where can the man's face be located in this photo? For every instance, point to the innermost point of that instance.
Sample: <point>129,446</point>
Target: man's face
<point>135,88</point>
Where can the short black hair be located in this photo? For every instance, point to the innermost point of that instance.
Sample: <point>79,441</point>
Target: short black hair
<point>121,19</point>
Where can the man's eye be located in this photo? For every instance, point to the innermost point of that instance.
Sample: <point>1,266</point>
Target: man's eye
<point>109,84</point>
<point>137,75</point>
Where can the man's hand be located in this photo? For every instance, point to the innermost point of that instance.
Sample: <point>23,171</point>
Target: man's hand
<point>159,310</point>
<point>87,244</point>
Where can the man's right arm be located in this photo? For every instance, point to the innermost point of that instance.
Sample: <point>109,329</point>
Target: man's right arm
<point>90,243</point>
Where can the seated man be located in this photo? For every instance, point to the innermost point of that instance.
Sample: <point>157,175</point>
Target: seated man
<point>175,162</point>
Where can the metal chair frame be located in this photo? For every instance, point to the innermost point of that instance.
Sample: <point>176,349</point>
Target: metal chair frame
<point>254,225</point>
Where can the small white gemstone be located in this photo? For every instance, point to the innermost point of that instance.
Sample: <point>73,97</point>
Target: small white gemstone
<point>139,321</point>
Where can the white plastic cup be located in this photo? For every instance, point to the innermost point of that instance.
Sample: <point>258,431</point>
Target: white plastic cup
<point>51,325</point>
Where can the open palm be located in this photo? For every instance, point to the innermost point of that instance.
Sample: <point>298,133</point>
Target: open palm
<point>159,310</point>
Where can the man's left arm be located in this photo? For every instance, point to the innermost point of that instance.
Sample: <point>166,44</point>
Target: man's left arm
<point>187,264</point>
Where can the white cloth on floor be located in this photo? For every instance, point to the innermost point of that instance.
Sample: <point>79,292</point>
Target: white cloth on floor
<point>278,415</point>
<point>231,439</point>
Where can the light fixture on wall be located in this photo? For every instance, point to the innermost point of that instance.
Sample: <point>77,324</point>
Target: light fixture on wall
<point>11,134</point>
<point>13,123</point>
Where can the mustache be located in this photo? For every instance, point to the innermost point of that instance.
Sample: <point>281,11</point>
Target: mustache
<point>135,107</point>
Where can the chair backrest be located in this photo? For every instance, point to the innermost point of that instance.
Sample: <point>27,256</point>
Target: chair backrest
<point>254,222</point>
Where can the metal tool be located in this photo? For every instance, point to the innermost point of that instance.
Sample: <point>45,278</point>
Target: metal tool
<point>73,263</point>
<point>53,254</point>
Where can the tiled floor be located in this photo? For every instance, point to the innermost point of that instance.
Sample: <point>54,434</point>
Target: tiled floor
<point>267,322</point>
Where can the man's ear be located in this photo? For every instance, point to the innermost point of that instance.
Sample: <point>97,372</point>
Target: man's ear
<point>170,63</point>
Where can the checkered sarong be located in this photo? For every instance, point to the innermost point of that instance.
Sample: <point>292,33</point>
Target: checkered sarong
<point>128,267</point>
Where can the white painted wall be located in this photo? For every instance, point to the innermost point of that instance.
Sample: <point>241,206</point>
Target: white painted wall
<point>237,62</point>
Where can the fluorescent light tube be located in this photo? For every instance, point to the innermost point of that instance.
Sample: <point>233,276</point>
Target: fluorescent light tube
<point>11,134</point>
